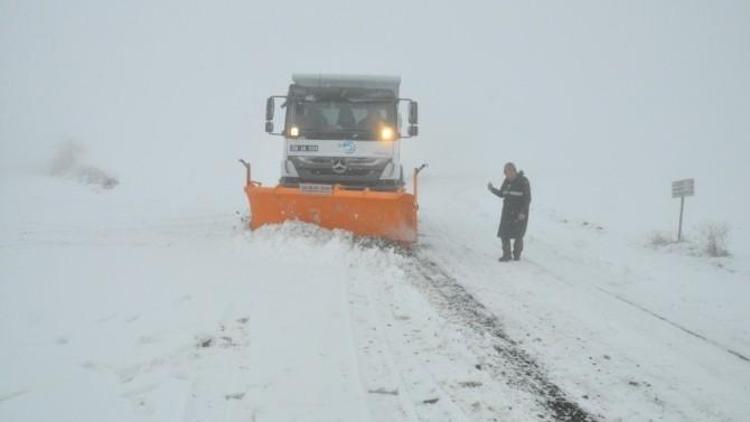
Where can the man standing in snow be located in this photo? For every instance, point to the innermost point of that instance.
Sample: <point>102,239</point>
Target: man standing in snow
<point>516,194</point>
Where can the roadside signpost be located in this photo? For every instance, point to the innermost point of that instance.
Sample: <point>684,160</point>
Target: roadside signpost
<point>681,189</point>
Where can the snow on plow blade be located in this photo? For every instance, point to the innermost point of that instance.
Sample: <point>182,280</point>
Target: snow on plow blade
<point>388,215</point>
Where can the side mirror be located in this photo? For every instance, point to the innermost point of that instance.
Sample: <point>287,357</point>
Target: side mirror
<point>413,113</point>
<point>270,109</point>
<point>270,106</point>
<point>413,130</point>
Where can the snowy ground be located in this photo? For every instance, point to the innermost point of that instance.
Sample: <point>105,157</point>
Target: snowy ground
<point>110,311</point>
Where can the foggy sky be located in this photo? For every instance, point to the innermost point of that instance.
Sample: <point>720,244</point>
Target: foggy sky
<point>604,103</point>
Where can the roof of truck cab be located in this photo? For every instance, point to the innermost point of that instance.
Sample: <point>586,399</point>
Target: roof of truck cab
<point>390,83</point>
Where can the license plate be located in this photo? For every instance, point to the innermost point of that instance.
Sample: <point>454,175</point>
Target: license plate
<point>316,189</point>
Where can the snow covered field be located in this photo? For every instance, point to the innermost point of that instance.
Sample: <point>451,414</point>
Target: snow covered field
<point>131,291</point>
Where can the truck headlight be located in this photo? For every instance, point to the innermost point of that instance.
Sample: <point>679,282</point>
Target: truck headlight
<point>294,132</point>
<point>387,133</point>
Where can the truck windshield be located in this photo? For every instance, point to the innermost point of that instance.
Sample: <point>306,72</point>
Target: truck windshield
<point>341,118</point>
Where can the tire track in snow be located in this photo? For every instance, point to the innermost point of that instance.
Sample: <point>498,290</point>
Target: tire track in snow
<point>376,368</point>
<point>411,352</point>
<point>432,393</point>
<point>391,366</point>
<point>511,364</point>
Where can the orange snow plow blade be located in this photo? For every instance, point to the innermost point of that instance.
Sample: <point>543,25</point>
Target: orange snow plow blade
<point>388,215</point>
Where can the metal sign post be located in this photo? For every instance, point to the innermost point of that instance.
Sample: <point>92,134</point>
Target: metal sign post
<point>681,189</point>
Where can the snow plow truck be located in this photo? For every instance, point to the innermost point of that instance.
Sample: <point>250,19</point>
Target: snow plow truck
<point>341,167</point>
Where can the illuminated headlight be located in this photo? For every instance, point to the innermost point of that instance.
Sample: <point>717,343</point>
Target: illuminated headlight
<point>387,133</point>
<point>294,132</point>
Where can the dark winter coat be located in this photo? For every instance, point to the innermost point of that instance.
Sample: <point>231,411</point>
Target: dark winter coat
<point>516,196</point>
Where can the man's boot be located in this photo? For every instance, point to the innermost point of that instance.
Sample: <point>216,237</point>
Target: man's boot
<point>517,248</point>
<point>506,250</point>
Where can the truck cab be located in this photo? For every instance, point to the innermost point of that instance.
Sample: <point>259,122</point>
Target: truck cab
<point>342,130</point>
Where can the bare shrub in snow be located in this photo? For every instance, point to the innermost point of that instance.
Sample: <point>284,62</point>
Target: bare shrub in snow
<point>95,176</point>
<point>714,237</point>
<point>658,239</point>
<point>67,164</point>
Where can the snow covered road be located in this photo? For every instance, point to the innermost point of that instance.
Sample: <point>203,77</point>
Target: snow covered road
<point>195,318</point>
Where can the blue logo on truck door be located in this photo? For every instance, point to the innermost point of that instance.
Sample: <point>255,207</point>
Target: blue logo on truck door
<point>348,147</point>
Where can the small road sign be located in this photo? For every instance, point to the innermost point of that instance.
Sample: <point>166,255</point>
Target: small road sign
<point>681,189</point>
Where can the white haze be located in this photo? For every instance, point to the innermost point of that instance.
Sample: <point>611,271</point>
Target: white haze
<point>602,103</point>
